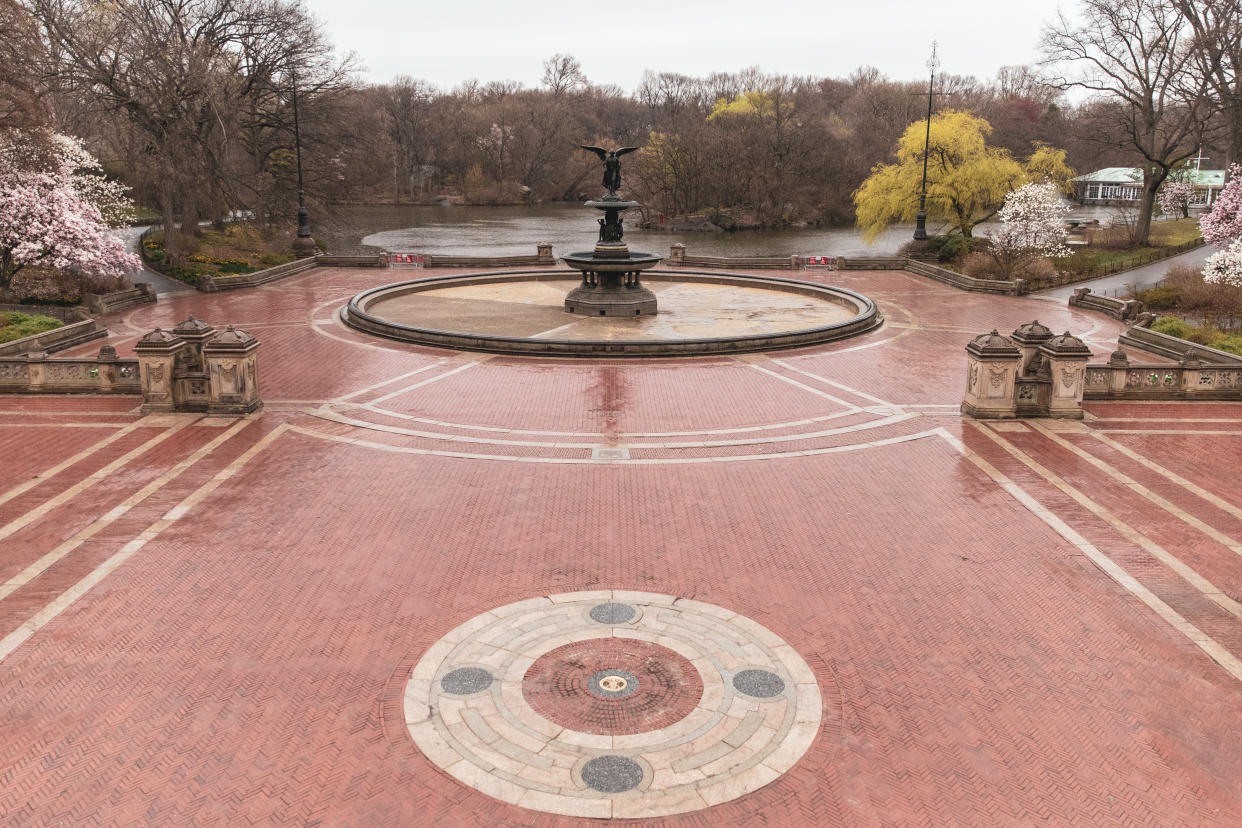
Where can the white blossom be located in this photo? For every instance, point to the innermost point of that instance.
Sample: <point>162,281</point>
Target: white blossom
<point>1032,223</point>
<point>1225,267</point>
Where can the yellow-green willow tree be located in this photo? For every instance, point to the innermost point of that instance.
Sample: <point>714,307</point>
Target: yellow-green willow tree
<point>967,180</point>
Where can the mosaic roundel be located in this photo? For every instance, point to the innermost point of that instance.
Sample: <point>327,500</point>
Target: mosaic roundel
<point>613,704</point>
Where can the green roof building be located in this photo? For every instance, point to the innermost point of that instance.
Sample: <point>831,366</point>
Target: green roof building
<point>1124,185</point>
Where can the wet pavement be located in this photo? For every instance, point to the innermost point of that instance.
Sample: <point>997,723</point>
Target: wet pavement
<point>874,611</point>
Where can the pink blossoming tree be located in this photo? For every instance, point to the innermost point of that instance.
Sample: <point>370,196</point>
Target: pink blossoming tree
<point>1223,224</point>
<point>1175,198</point>
<point>53,203</point>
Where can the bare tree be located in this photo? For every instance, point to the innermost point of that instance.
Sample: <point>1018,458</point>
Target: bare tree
<point>563,74</point>
<point>1138,54</point>
<point>202,81</point>
<point>1217,49</point>
<point>20,100</point>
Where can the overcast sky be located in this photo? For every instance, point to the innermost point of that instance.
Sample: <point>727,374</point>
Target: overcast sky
<point>448,41</point>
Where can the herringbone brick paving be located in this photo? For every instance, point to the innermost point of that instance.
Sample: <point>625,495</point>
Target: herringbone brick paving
<point>247,664</point>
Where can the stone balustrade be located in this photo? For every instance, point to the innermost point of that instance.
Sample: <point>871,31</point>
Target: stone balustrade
<point>38,373</point>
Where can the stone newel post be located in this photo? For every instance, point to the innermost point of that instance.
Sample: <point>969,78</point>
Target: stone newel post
<point>1028,338</point>
<point>991,372</point>
<point>1067,357</point>
<point>677,254</point>
<point>196,333</point>
<point>234,378</point>
<point>157,357</point>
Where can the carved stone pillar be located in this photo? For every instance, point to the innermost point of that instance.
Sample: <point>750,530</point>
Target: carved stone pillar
<point>1190,374</point>
<point>36,367</point>
<point>1028,338</point>
<point>1119,366</point>
<point>196,333</point>
<point>107,370</point>
<point>544,249</point>
<point>157,357</point>
<point>231,365</point>
<point>677,254</point>
<point>1067,357</point>
<point>991,372</point>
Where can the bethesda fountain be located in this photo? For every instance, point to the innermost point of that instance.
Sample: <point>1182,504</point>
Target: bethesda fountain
<point>608,311</point>
<point>610,273</point>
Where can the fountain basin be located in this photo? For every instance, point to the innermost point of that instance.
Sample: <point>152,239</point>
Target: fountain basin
<point>520,312</point>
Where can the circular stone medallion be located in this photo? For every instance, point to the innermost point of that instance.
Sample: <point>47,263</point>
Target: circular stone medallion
<point>570,704</point>
<point>648,686</point>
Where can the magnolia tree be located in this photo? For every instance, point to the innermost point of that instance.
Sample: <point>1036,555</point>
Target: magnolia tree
<point>1225,267</point>
<point>1223,224</point>
<point>1032,226</point>
<point>55,207</point>
<point>1175,197</point>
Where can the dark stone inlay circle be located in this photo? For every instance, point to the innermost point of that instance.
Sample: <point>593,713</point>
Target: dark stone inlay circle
<point>630,688</point>
<point>563,684</point>
<point>759,684</point>
<point>613,613</point>
<point>612,774</point>
<point>466,681</point>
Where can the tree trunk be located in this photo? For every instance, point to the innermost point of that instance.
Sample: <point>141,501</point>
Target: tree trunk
<point>1152,179</point>
<point>172,249</point>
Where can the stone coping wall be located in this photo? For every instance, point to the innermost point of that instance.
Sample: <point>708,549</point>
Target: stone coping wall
<point>1017,287</point>
<point>435,260</point>
<point>55,340</point>
<point>217,282</point>
<point>41,374</point>
<point>1122,309</point>
<point>1172,347</point>
<point>100,303</point>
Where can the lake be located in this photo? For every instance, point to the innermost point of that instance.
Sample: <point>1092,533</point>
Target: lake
<point>504,231</point>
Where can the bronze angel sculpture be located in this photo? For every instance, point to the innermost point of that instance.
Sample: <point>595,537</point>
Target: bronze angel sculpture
<point>612,166</point>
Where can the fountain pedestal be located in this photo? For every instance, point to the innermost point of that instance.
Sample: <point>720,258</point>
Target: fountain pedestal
<point>611,284</point>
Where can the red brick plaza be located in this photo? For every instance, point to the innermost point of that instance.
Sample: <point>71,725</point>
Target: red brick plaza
<point>314,615</point>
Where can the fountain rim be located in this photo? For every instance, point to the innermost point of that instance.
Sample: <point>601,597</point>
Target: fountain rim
<point>354,315</point>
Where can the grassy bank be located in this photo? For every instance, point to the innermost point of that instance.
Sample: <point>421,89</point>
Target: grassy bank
<point>1108,251</point>
<point>239,248</point>
<point>1230,341</point>
<point>15,325</point>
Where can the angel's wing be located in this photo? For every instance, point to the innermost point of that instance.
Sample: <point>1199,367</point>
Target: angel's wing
<point>600,151</point>
<point>623,150</point>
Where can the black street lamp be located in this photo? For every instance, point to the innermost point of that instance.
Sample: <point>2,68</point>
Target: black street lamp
<point>303,243</point>
<point>920,226</point>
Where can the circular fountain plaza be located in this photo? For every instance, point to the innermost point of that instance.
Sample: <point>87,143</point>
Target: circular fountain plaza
<point>524,312</point>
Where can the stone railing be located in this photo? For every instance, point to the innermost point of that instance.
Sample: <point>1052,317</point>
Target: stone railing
<point>1191,379</point>
<point>349,261</point>
<point>1123,309</point>
<point>57,339</point>
<point>37,373</point>
<point>678,258</point>
<point>1172,347</point>
<point>1017,287</point>
<point>100,303</point>
<point>871,263</point>
<point>437,260</point>
<point>232,281</point>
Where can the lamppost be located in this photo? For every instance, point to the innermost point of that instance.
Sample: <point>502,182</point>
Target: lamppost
<point>920,226</point>
<point>303,243</point>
